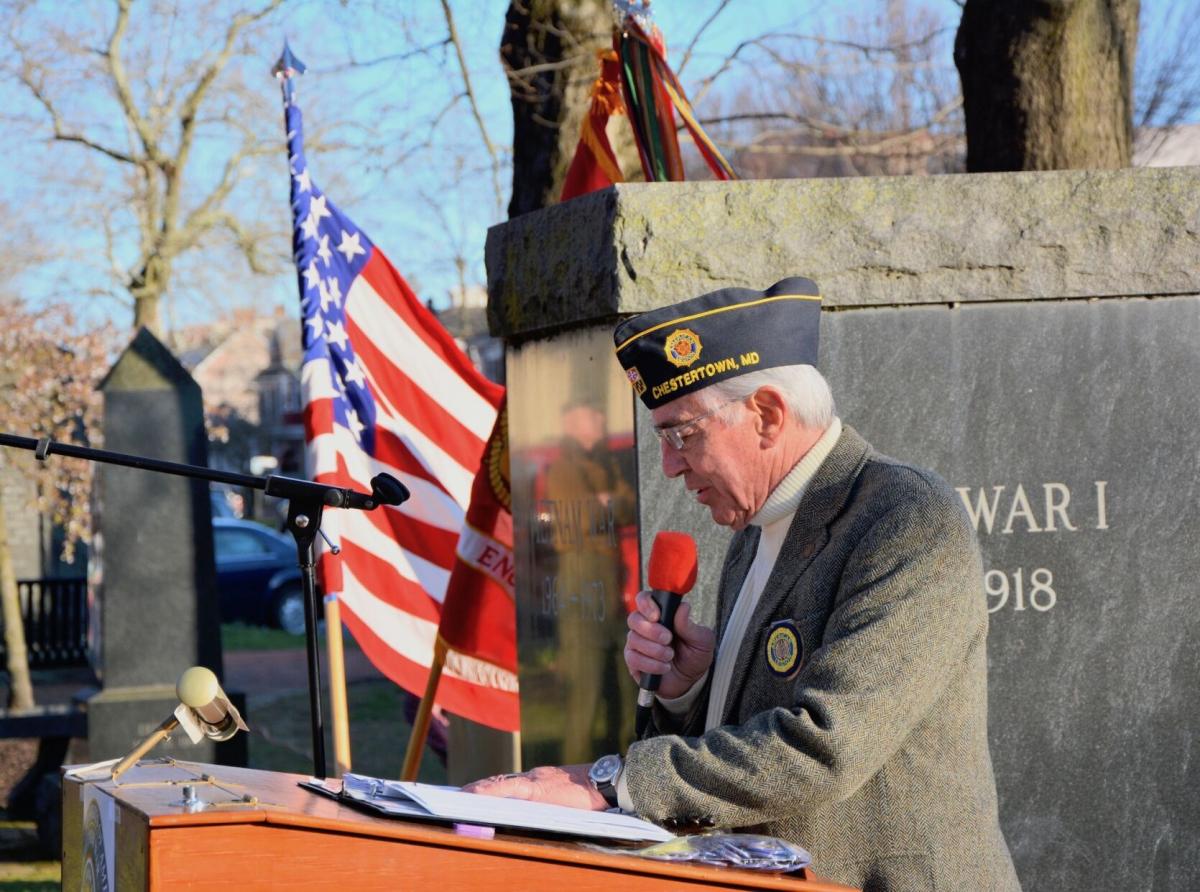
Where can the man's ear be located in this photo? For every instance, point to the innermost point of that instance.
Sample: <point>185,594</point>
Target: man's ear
<point>770,410</point>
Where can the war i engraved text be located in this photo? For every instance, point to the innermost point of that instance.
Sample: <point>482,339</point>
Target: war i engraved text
<point>1019,509</point>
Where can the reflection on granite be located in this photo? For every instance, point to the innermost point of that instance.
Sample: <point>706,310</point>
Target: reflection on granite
<point>575,531</point>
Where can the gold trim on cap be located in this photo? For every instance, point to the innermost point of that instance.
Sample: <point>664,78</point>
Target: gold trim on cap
<point>752,303</point>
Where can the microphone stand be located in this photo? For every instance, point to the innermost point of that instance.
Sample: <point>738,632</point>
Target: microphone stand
<point>307,501</point>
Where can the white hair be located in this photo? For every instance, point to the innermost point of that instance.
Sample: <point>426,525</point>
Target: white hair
<point>804,389</point>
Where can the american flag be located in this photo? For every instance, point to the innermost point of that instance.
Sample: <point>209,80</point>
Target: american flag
<point>386,389</point>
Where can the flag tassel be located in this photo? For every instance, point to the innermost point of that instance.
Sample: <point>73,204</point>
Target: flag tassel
<point>420,728</point>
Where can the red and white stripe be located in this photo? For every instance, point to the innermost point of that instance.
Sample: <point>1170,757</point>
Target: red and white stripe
<point>434,414</point>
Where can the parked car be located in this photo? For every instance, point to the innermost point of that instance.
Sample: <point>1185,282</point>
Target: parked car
<point>257,577</point>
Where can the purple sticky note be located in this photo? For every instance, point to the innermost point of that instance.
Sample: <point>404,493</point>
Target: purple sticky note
<point>478,831</point>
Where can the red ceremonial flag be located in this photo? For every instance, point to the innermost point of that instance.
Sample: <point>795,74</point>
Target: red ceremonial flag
<point>479,618</point>
<point>386,389</point>
<point>595,164</point>
<point>635,80</point>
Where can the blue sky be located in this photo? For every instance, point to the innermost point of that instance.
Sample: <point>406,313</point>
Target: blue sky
<point>386,210</point>
<point>424,194</point>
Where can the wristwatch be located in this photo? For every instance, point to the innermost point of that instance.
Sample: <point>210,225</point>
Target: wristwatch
<point>603,774</point>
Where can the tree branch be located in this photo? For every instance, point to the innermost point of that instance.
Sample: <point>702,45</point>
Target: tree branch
<point>121,84</point>
<point>687,53</point>
<point>867,50</point>
<point>187,113</point>
<point>828,128</point>
<point>209,213</point>
<point>542,67</point>
<point>382,60</point>
<point>247,242</point>
<point>60,133</point>
<point>487,140</point>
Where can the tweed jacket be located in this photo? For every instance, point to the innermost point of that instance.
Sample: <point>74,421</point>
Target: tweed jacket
<point>874,755</point>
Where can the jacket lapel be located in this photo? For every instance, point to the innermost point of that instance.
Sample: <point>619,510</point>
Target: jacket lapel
<point>733,573</point>
<point>737,565</point>
<point>809,532</point>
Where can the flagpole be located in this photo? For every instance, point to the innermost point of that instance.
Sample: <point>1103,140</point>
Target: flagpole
<point>285,69</point>
<point>353,403</point>
<point>337,686</point>
<point>420,728</point>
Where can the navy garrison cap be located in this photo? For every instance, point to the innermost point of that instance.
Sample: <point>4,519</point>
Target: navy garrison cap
<point>675,350</point>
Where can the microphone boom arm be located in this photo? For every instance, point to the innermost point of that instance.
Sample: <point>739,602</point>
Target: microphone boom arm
<point>307,500</point>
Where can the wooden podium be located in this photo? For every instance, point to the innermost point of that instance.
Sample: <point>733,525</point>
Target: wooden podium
<point>259,830</point>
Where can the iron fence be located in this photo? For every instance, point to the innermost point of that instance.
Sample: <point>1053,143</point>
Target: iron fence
<point>55,617</point>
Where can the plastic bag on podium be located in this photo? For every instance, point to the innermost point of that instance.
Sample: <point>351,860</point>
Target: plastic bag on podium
<point>746,850</point>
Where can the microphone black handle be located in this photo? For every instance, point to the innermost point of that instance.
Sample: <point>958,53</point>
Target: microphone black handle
<point>668,603</point>
<point>385,490</point>
<point>388,490</point>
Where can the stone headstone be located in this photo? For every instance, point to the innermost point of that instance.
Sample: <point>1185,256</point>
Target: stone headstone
<point>1032,337</point>
<point>158,609</point>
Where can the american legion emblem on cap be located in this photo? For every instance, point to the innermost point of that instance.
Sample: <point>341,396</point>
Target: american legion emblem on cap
<point>675,350</point>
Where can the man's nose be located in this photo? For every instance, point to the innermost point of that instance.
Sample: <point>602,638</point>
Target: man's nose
<point>673,462</point>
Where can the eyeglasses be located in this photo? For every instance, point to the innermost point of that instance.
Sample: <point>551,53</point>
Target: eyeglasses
<point>675,434</point>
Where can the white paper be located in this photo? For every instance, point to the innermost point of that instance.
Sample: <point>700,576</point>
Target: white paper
<point>102,770</point>
<point>452,804</point>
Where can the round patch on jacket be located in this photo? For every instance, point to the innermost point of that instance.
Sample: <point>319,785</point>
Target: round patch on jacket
<point>783,649</point>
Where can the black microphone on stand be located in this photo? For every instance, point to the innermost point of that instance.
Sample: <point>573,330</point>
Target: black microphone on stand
<point>387,490</point>
<point>672,575</point>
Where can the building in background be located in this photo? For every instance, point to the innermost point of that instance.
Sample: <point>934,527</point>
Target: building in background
<point>466,320</point>
<point>34,540</point>
<point>1167,146</point>
<point>248,369</point>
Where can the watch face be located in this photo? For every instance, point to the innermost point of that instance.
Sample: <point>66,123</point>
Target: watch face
<point>604,769</point>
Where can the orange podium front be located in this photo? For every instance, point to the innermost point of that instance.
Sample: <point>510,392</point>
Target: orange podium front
<point>248,829</point>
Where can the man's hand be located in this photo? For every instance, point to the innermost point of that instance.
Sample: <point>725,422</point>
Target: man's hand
<point>559,785</point>
<point>648,647</point>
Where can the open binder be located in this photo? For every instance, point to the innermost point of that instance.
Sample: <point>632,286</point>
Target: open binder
<point>450,804</point>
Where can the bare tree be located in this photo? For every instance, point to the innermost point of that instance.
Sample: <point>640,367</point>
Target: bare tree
<point>549,51</point>
<point>172,132</point>
<point>49,369</point>
<point>469,93</point>
<point>1047,85</point>
<point>881,98</point>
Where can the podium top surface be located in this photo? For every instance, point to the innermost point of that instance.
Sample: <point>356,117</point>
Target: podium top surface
<point>153,790</point>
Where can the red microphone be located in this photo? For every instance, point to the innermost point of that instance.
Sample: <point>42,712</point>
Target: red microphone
<point>672,575</point>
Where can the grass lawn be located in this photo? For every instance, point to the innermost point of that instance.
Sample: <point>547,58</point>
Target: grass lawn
<point>240,636</point>
<point>281,738</point>
<point>19,864</point>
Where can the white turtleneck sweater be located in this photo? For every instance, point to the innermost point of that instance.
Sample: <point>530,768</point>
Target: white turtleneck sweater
<point>774,518</point>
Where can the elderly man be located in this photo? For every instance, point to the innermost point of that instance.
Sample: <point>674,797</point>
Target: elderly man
<point>841,702</point>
